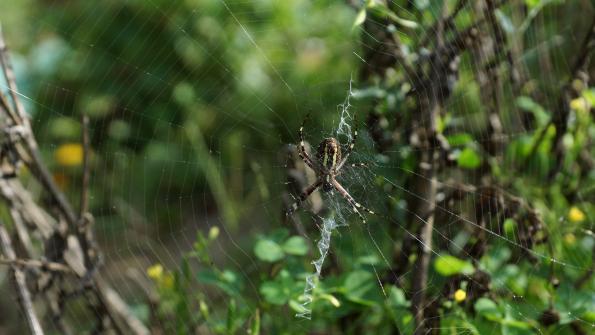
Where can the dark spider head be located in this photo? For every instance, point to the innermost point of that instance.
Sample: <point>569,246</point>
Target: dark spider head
<point>328,158</point>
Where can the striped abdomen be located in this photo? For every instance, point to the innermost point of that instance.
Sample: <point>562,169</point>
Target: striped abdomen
<point>328,157</point>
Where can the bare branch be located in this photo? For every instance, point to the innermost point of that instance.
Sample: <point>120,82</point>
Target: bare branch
<point>111,306</point>
<point>33,263</point>
<point>19,117</point>
<point>20,282</point>
<point>426,185</point>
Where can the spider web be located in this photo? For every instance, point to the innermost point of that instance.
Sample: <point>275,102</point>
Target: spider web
<point>160,177</point>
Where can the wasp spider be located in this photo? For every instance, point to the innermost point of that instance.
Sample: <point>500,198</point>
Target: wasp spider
<point>327,164</point>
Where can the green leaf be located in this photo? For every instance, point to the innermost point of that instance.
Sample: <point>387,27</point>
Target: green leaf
<point>231,316</point>
<point>280,290</point>
<point>505,21</point>
<point>368,260</point>
<point>443,122</point>
<point>381,9</point>
<point>488,309</point>
<point>449,265</point>
<point>273,293</point>
<point>297,307</point>
<point>268,250</point>
<point>509,227</point>
<point>184,94</point>
<point>589,316</point>
<point>255,328</point>
<point>296,245</point>
<point>422,4</point>
<point>590,96</point>
<point>459,139</point>
<point>541,116</point>
<point>357,284</point>
<point>468,159</point>
<point>64,128</point>
<point>228,281</point>
<point>278,235</point>
<point>511,326</point>
<point>397,298</point>
<point>495,258</point>
<point>571,303</point>
<point>360,18</point>
<point>532,3</point>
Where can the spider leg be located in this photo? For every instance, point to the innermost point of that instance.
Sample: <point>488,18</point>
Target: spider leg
<point>303,196</point>
<point>355,205</point>
<point>302,147</point>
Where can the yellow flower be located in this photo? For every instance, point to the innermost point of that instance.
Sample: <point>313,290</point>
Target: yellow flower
<point>576,215</point>
<point>155,272</point>
<point>579,104</point>
<point>69,154</point>
<point>213,232</point>
<point>460,295</point>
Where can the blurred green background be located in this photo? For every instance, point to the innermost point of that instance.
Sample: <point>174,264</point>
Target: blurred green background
<point>181,98</point>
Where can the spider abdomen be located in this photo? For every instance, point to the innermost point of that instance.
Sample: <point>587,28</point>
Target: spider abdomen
<point>329,155</point>
<point>328,158</point>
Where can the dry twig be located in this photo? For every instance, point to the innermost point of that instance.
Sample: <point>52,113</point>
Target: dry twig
<point>24,296</point>
<point>69,244</point>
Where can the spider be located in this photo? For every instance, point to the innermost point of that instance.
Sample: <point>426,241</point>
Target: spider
<point>327,165</point>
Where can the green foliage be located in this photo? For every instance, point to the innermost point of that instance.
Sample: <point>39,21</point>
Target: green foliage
<point>448,265</point>
<point>268,251</point>
<point>468,159</point>
<point>280,289</point>
<point>295,245</point>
